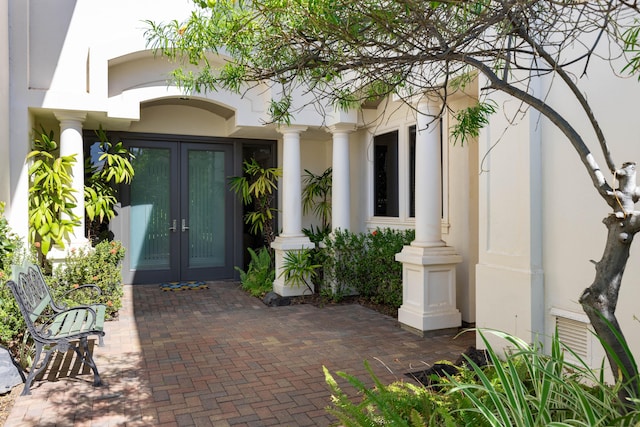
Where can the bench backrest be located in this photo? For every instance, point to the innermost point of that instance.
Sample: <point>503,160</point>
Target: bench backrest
<point>30,290</point>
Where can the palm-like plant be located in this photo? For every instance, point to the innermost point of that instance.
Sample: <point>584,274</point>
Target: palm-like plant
<point>51,194</point>
<point>316,195</point>
<point>256,188</point>
<point>299,269</point>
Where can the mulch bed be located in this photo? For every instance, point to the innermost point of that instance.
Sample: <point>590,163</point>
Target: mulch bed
<point>320,301</point>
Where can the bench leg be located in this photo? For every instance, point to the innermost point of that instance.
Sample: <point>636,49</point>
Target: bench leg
<point>34,372</point>
<point>88,359</point>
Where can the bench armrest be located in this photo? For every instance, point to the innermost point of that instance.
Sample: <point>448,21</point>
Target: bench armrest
<point>60,305</point>
<point>91,286</point>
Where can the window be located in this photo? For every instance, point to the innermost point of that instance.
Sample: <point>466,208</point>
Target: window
<point>385,173</point>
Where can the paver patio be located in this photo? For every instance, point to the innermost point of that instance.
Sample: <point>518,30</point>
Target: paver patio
<point>218,357</point>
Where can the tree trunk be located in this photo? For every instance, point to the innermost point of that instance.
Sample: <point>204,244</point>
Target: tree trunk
<point>600,299</point>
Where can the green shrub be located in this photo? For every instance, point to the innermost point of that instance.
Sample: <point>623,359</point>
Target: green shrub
<point>260,274</point>
<point>99,266</point>
<point>9,242</point>
<point>365,262</point>
<point>12,324</point>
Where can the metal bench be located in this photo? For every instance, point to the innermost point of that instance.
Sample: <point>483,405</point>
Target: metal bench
<point>53,326</point>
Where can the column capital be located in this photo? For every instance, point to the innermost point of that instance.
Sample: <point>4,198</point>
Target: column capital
<point>64,115</point>
<point>428,105</point>
<point>288,129</point>
<point>342,128</point>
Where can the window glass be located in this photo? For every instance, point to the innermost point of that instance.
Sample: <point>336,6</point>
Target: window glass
<point>385,170</point>
<point>412,171</point>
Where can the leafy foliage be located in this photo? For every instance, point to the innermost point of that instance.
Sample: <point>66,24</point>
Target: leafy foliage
<point>260,274</point>
<point>365,262</point>
<point>9,242</point>
<point>11,322</point>
<point>51,198</point>
<point>100,191</point>
<point>471,120</point>
<point>399,404</point>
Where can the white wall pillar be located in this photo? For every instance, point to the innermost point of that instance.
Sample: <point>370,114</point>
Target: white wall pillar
<point>510,273</point>
<point>291,237</point>
<point>341,180</point>
<point>429,266</point>
<point>71,143</point>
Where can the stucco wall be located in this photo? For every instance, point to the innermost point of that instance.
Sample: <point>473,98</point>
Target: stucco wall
<point>573,232</point>
<point>4,102</point>
<point>541,218</point>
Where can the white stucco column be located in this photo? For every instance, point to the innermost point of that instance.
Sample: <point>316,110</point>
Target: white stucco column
<point>291,238</point>
<point>71,143</point>
<point>428,198</point>
<point>341,181</point>
<point>429,266</point>
<point>291,182</point>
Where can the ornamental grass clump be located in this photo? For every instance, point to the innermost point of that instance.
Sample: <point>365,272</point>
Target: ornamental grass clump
<point>530,388</point>
<point>525,388</point>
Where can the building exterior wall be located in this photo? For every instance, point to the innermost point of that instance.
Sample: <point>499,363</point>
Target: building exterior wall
<point>540,215</point>
<point>573,232</point>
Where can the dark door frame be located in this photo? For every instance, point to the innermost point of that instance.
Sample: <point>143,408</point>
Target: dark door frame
<point>117,224</point>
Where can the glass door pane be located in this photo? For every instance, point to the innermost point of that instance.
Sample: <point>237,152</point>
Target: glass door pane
<point>206,244</point>
<point>150,206</point>
<point>207,182</point>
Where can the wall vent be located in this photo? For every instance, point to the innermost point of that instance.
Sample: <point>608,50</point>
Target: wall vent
<point>573,331</point>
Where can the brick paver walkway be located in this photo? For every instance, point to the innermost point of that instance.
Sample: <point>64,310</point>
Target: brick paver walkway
<point>218,357</point>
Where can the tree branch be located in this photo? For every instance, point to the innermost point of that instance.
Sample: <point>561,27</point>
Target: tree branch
<point>574,89</point>
<point>597,177</point>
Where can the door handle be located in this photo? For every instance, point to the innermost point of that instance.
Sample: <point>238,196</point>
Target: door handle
<point>174,226</point>
<point>184,225</point>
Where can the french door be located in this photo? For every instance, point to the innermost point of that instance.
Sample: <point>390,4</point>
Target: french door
<point>178,212</point>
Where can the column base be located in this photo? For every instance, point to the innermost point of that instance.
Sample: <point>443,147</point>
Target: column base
<point>281,245</point>
<point>429,289</point>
